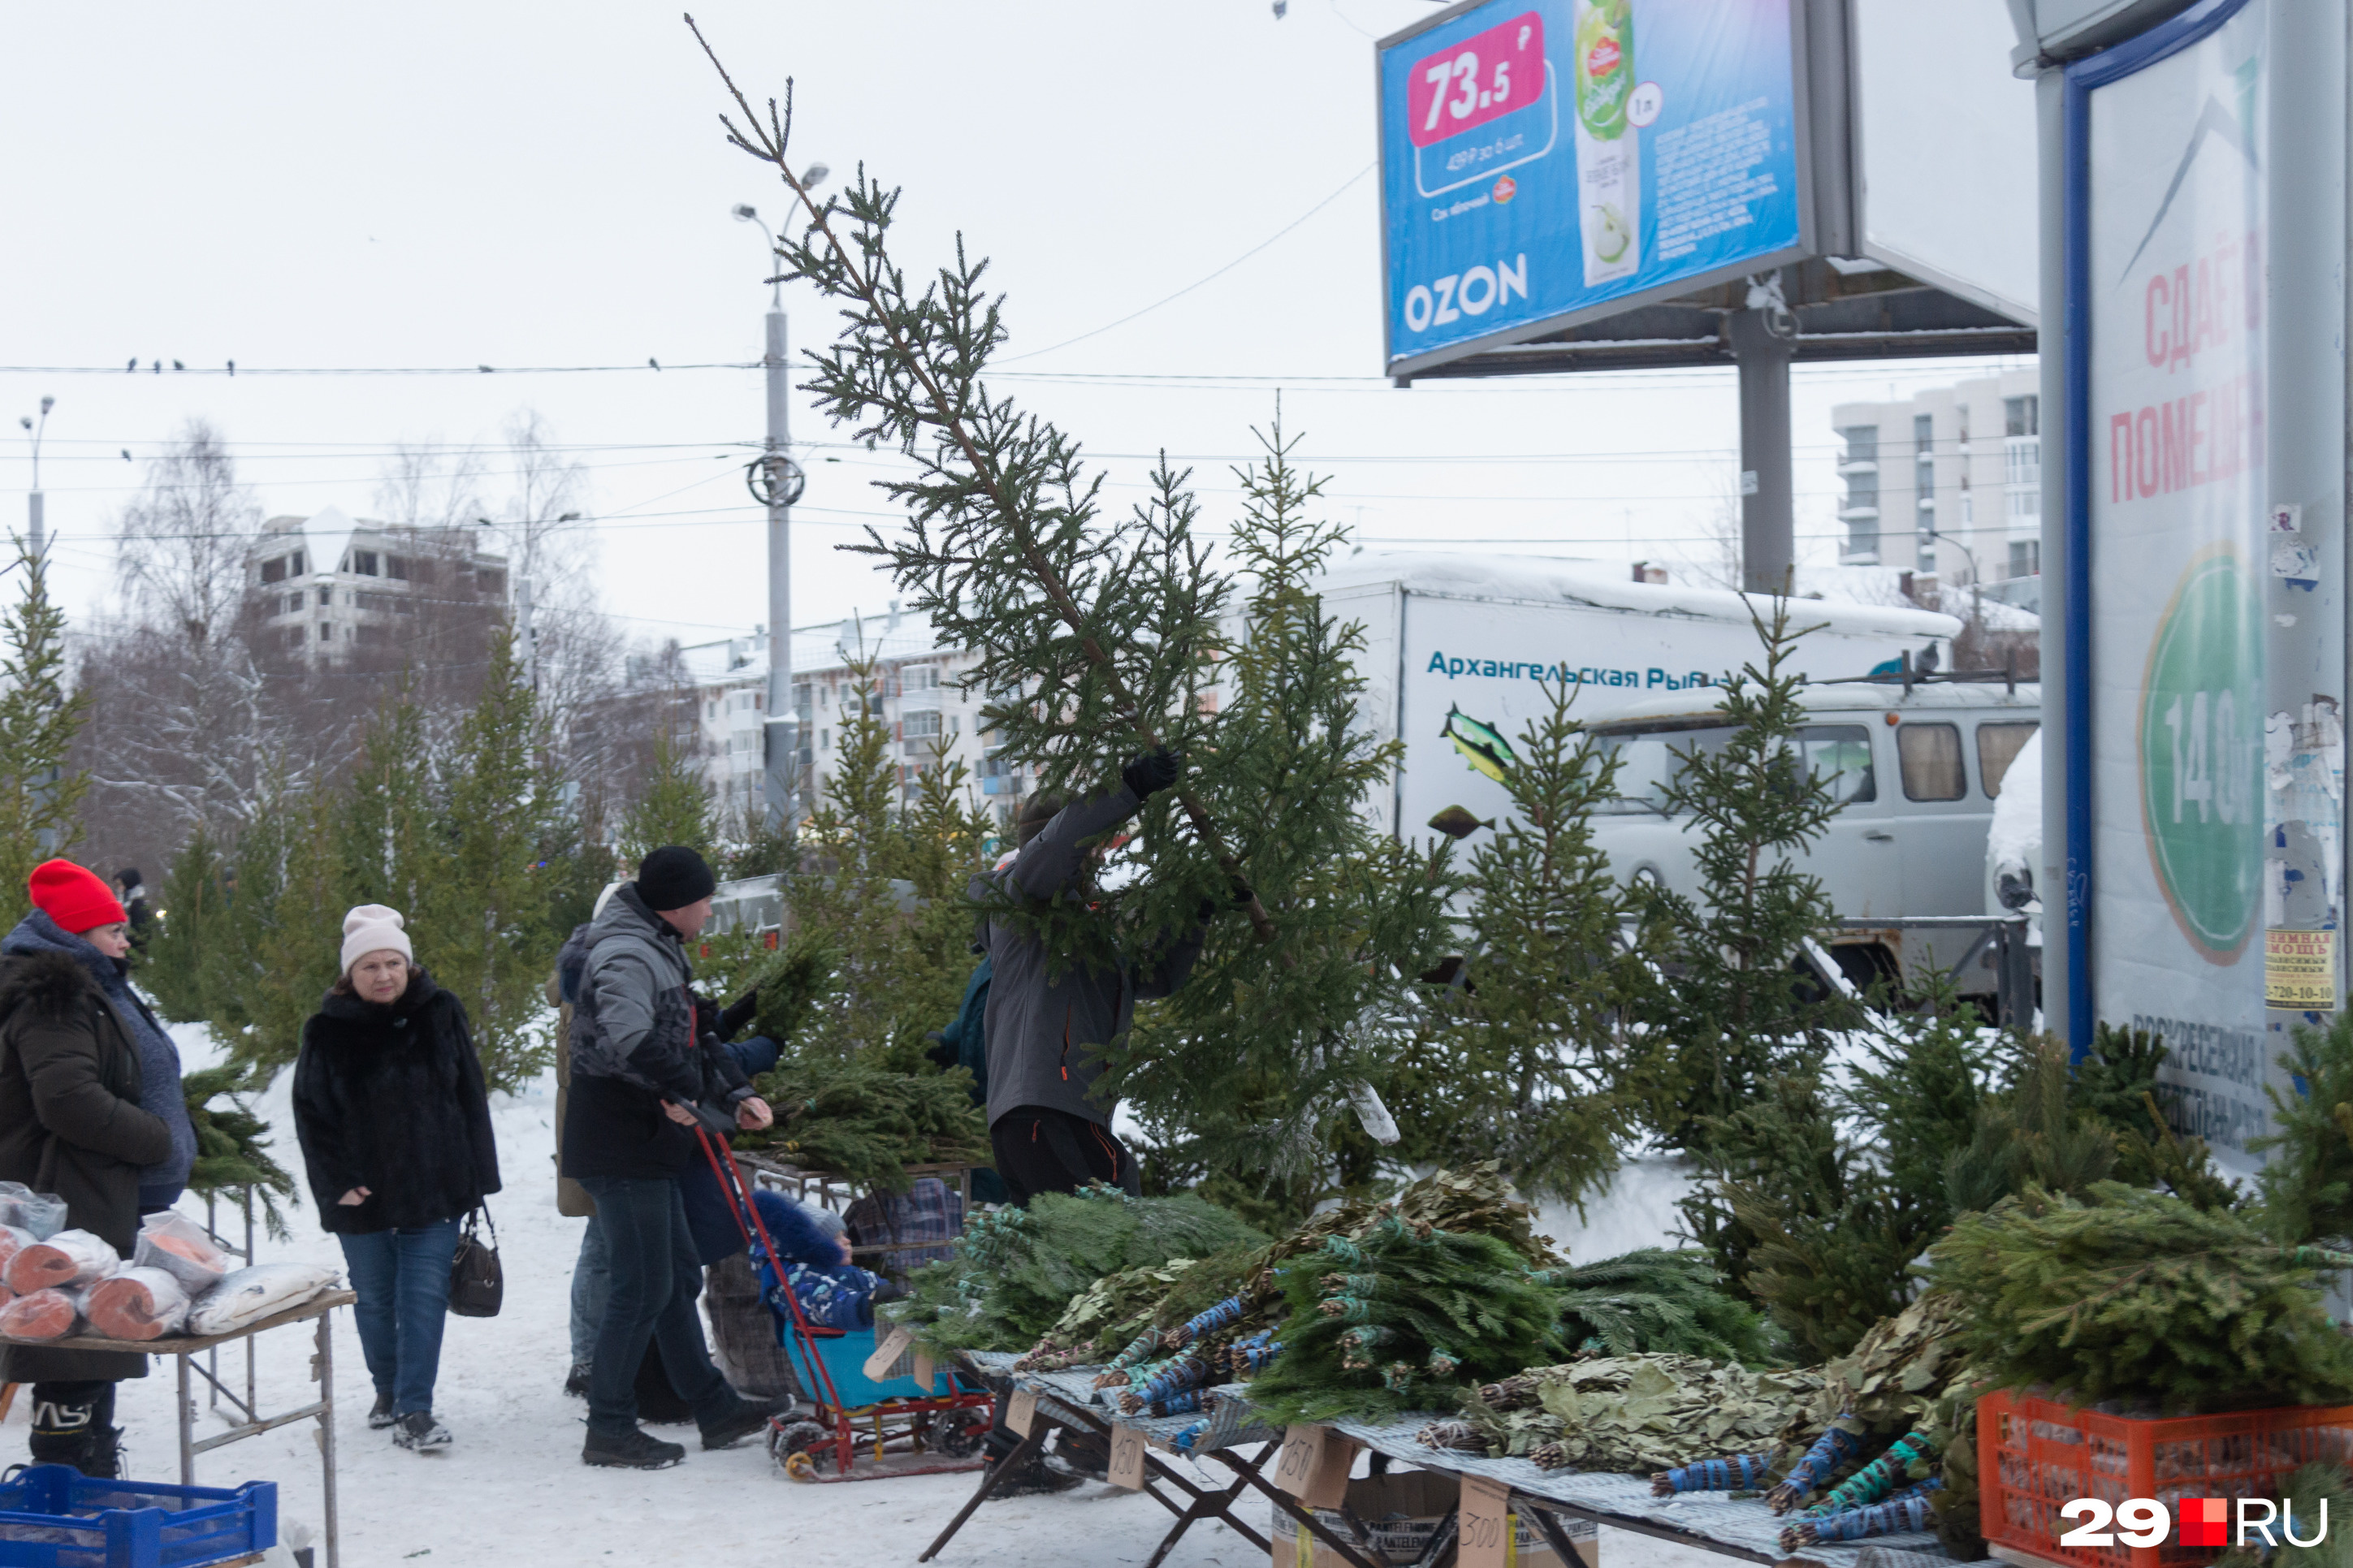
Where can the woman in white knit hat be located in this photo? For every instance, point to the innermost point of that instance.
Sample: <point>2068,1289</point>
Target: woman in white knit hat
<point>395,1123</point>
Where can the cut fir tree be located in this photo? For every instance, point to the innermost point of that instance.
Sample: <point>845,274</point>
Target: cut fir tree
<point>1102,636</point>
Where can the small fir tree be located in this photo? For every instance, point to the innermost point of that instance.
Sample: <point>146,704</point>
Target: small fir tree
<point>40,801</point>
<point>183,971</point>
<point>1529,1060</point>
<point>1737,1009</point>
<point>487,937</point>
<point>674,807</point>
<point>289,926</point>
<point>391,842</point>
<point>2307,1182</point>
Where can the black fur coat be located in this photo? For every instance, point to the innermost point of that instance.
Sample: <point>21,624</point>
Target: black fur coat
<point>389,1096</point>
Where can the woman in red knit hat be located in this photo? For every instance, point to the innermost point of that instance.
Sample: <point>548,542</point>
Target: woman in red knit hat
<point>89,1109</point>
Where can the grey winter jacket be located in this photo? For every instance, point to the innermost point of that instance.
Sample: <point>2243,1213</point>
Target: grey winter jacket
<point>1046,1035</point>
<point>634,1018</point>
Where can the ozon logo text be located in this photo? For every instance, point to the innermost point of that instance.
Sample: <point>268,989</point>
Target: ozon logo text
<point>1471,293</point>
<point>2203,1522</point>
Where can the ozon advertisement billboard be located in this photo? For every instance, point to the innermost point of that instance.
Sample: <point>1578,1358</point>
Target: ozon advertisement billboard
<point>1546,160</point>
<point>2205,589</point>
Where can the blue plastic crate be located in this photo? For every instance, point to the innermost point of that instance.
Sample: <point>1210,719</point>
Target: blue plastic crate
<point>51,1516</point>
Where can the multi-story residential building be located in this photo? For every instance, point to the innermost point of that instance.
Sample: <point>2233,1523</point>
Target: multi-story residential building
<point>327,585</point>
<point>917,691</point>
<point>1949,481</point>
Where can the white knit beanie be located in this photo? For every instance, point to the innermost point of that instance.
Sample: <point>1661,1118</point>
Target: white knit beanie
<point>371,928</point>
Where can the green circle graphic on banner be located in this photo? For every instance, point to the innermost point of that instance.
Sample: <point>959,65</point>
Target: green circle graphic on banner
<point>2202,746</point>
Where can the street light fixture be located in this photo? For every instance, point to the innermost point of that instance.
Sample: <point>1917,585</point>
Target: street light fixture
<point>33,500</point>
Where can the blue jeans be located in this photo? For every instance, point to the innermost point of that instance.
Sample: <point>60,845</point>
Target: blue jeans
<point>654,1280</point>
<point>592,1287</point>
<point>403,1280</point>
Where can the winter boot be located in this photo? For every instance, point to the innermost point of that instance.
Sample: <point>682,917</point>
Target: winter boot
<point>635,1449</point>
<point>420,1431</point>
<point>746,1416</point>
<point>380,1414</point>
<point>73,1424</point>
<point>1084,1454</point>
<point>576,1382</point>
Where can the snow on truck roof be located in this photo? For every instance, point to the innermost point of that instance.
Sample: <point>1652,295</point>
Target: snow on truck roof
<point>1603,584</point>
<point>1843,696</point>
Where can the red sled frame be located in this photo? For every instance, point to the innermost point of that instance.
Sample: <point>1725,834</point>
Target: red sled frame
<point>915,1417</point>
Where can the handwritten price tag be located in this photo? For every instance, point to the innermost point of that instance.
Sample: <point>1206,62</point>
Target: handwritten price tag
<point>1486,1524</point>
<point>888,1353</point>
<point>1023,1411</point>
<point>925,1372</point>
<point>1126,1457</point>
<point>1313,1465</point>
<point>1296,1463</point>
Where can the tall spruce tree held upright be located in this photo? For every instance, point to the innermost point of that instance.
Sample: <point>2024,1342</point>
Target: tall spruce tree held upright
<point>1102,632</point>
<point>38,718</point>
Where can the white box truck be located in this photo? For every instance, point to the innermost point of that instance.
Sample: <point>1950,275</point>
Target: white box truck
<point>1456,649</point>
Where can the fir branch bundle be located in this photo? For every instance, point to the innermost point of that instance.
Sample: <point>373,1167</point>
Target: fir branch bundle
<point>230,1155</point>
<point>2143,1297</point>
<point>868,1123</point>
<point>1655,1300</point>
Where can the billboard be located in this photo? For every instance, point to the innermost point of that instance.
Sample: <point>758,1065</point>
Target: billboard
<point>1546,159</point>
<point>2205,752</point>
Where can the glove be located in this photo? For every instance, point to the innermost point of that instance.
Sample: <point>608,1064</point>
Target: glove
<point>937,1051</point>
<point>1152,772</point>
<point>733,1019</point>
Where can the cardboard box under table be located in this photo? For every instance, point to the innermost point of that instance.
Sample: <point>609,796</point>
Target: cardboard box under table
<point>1395,1516</point>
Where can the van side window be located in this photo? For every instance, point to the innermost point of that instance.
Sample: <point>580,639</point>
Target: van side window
<point>1998,747</point>
<point>1839,755</point>
<point>1930,756</point>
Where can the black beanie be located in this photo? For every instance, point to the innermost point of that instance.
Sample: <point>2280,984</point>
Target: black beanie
<point>673,876</point>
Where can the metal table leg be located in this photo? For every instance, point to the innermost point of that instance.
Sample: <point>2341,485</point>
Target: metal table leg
<point>1028,1445</point>
<point>187,1425</point>
<point>327,1435</point>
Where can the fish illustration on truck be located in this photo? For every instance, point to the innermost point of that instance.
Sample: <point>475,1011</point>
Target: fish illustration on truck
<point>1479,744</point>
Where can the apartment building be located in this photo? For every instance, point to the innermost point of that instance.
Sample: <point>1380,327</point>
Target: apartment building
<point>1948,481</point>
<point>328,584</point>
<point>917,690</point>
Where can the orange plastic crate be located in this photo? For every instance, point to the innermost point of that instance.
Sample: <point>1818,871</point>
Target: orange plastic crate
<point>2035,1453</point>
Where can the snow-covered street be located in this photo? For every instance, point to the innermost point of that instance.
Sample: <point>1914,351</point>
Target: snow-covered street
<point>513,1489</point>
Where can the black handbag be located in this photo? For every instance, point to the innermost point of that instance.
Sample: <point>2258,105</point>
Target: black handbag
<point>477,1284</point>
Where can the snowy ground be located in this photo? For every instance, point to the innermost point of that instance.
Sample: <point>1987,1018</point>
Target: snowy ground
<point>513,1489</point>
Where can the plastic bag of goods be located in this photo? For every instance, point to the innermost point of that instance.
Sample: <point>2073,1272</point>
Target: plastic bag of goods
<point>179,1246</point>
<point>41,1315</point>
<point>252,1294</point>
<point>69,1257</point>
<point>136,1304</point>
<point>14,1239</point>
<point>43,1214</point>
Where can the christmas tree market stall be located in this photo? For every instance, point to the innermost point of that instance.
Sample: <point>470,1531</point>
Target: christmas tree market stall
<point>1933,1278</point>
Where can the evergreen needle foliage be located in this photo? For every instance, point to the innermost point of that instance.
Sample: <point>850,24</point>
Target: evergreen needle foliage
<point>1738,1011</point>
<point>39,800</point>
<point>2307,1182</point>
<point>1100,637</point>
<point>1017,1271</point>
<point>869,1123</point>
<point>1530,1061</point>
<point>2135,1295</point>
<point>230,1155</point>
<point>1655,1300</point>
<point>674,806</point>
<point>1402,1320</point>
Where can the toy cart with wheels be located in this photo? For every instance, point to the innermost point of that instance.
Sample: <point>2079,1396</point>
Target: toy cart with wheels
<point>908,1418</point>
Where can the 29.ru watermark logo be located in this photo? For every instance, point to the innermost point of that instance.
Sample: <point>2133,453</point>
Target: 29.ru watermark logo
<point>2202,1521</point>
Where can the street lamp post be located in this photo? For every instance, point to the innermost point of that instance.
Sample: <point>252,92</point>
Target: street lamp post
<point>34,517</point>
<point>776,483</point>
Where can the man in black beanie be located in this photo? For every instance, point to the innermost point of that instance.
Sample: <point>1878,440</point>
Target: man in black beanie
<point>639,1065</point>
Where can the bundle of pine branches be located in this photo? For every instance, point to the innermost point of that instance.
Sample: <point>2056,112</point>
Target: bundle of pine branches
<point>869,1124</point>
<point>1652,1300</point>
<point>1017,1271</point>
<point>229,1154</point>
<point>2139,1295</point>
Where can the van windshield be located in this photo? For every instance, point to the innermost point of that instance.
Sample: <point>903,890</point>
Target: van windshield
<point>1840,754</point>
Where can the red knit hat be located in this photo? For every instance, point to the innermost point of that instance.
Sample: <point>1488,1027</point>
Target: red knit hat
<point>76,898</point>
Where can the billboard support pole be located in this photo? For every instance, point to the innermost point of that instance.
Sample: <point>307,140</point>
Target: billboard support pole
<point>1761,345</point>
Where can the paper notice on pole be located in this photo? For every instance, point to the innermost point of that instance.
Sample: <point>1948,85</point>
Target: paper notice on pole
<point>886,1354</point>
<point>2300,971</point>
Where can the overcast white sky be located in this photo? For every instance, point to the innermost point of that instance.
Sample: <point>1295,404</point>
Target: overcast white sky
<point>534,184</point>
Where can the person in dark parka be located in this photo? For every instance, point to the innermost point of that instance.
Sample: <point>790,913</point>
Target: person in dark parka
<point>395,1123</point>
<point>73,1071</point>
